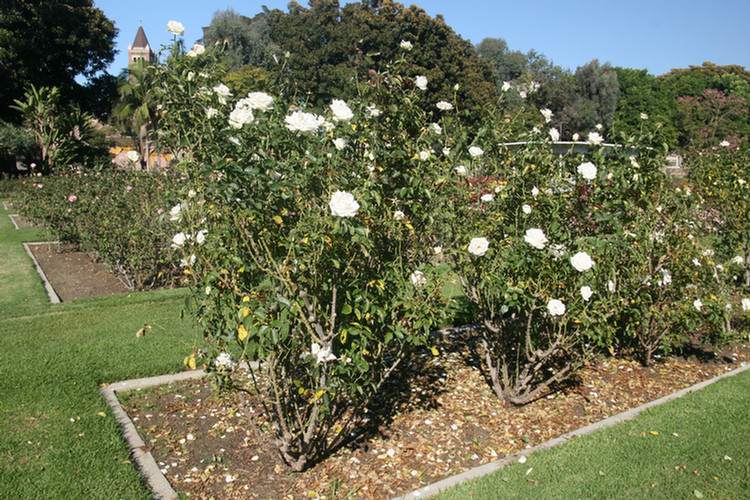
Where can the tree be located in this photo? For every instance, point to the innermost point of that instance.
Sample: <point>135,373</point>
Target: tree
<point>711,118</point>
<point>642,93</point>
<point>135,112</point>
<point>49,43</point>
<point>247,40</point>
<point>332,49</point>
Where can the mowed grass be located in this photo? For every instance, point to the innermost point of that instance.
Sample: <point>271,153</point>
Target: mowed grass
<point>697,446</point>
<point>57,437</point>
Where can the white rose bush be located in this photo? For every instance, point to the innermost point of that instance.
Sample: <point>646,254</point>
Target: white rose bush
<point>301,264</point>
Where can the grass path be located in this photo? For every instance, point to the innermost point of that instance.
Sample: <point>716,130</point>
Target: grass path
<point>57,438</point>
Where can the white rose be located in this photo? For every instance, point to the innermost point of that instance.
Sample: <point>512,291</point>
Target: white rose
<point>178,240</point>
<point>476,151</point>
<point>175,212</point>
<point>343,204</point>
<point>576,137</point>
<point>133,156</point>
<point>487,197</point>
<point>535,237</point>
<point>424,155</point>
<point>200,236</point>
<point>437,250</point>
<point>556,307</point>
<point>224,362</point>
<point>398,215</point>
<point>341,112</point>
<point>197,50</point>
<point>506,86</point>
<point>666,278</point>
<point>581,262</point>
<point>644,116</point>
<point>611,286</point>
<point>461,170</point>
<point>321,355</point>
<point>697,303</point>
<point>176,28</point>
<point>746,305</point>
<point>444,106</point>
<point>586,293</point>
<point>595,138</point>
<point>299,121</point>
<point>240,116</point>
<point>724,144</point>
<point>547,114</point>
<point>373,112</point>
<point>421,82</point>
<point>554,134</point>
<point>259,100</point>
<point>406,45</point>
<point>478,246</point>
<point>223,92</point>
<point>339,143</point>
<point>739,259</point>
<point>188,262</point>
<point>526,209</point>
<point>211,112</point>
<point>535,192</point>
<point>587,170</point>
<point>418,278</point>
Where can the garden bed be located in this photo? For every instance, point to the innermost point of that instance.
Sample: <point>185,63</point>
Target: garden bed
<point>75,275</point>
<point>442,419</point>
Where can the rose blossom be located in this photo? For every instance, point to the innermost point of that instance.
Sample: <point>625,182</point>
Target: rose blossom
<point>746,305</point>
<point>406,45</point>
<point>487,197</point>
<point>582,261</point>
<point>554,134</point>
<point>418,278</point>
<point>72,198</point>
<point>594,138</point>
<point>535,237</point>
<point>224,362</point>
<point>444,106</point>
<point>461,170</point>
<point>478,246</point>
<point>197,50</point>
<point>322,355</point>
<point>343,204</point>
<point>299,121</point>
<point>586,293</point>
<point>200,236</point>
<point>547,114</point>
<point>341,112</point>
<point>421,82</point>
<point>176,28</point>
<point>476,151</point>
<point>398,215</point>
<point>223,92</point>
<point>240,116</point>
<point>259,100</point>
<point>339,143</point>
<point>556,307</point>
<point>133,156</point>
<point>178,240</point>
<point>587,170</point>
<point>698,303</point>
<point>526,209</point>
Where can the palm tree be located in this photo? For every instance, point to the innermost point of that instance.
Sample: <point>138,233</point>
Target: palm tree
<point>135,112</point>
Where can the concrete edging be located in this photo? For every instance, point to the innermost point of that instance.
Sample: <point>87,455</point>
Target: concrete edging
<point>488,468</point>
<point>143,459</point>
<point>53,297</point>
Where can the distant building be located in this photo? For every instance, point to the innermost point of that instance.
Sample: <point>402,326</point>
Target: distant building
<point>140,50</point>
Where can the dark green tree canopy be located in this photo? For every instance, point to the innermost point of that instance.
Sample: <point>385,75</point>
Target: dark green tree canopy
<point>50,43</point>
<point>248,40</point>
<point>331,48</point>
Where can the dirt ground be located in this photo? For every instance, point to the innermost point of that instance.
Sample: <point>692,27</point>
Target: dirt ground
<point>75,275</point>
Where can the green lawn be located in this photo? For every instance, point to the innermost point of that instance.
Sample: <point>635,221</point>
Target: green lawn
<point>697,446</point>
<point>57,438</point>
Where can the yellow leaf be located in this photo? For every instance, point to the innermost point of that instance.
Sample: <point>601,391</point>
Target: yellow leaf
<point>655,433</point>
<point>242,333</point>
<point>318,395</point>
<point>278,219</point>
<point>245,299</point>
<point>245,312</point>
<point>435,352</point>
<point>191,362</point>
<point>102,414</point>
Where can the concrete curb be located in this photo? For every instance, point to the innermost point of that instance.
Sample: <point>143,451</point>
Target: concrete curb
<point>143,459</point>
<point>53,297</point>
<point>13,219</point>
<point>488,468</point>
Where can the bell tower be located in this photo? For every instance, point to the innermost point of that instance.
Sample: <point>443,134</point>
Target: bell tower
<point>140,50</point>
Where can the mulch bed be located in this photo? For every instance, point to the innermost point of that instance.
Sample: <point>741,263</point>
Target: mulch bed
<point>75,275</point>
<point>444,420</point>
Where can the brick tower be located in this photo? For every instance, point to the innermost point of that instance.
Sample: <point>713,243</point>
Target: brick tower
<point>140,50</point>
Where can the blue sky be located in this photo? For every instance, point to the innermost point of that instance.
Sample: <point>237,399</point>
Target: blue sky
<point>657,35</point>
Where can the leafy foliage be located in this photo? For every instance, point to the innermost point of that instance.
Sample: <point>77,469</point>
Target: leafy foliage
<point>48,44</point>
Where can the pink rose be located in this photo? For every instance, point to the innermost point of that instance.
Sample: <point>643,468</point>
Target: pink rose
<point>72,198</point>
